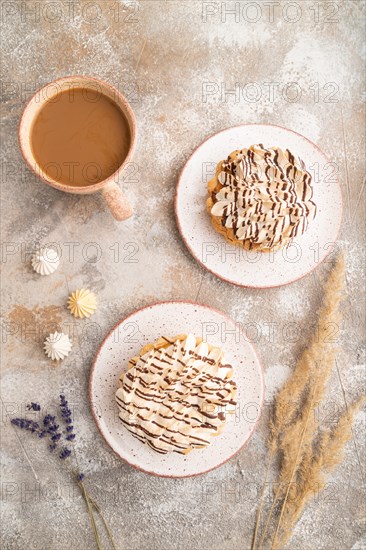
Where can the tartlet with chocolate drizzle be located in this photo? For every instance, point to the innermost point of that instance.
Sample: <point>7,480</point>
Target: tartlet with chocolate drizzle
<point>261,198</point>
<point>174,394</point>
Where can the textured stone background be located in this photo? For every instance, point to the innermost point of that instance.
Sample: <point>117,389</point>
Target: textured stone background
<point>161,54</point>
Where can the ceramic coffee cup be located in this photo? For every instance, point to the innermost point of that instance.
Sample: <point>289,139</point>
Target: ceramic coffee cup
<point>116,200</point>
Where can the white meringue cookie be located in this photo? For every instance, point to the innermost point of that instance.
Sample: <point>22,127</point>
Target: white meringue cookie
<point>57,346</point>
<point>45,261</point>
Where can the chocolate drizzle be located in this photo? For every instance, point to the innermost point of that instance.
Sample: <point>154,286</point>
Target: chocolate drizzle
<point>265,196</point>
<point>172,398</point>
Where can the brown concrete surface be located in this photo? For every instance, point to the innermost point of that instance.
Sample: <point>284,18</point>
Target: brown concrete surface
<point>165,56</point>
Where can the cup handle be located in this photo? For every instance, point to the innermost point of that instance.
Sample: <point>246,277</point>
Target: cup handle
<point>117,202</point>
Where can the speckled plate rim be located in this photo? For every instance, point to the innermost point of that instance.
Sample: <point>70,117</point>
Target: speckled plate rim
<point>226,279</point>
<point>96,357</point>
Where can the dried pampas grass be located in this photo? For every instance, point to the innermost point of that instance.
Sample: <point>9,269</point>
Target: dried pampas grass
<point>305,451</point>
<point>313,470</point>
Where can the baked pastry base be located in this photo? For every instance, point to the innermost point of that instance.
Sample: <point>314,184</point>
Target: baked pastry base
<point>214,187</point>
<point>164,342</point>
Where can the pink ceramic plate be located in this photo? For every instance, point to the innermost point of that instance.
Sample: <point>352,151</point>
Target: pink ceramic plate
<point>146,325</point>
<point>232,263</point>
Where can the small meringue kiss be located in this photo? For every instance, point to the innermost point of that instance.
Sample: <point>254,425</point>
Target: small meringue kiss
<point>82,303</point>
<point>57,346</point>
<point>45,261</point>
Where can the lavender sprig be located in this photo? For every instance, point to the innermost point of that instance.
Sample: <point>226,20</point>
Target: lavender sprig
<point>34,407</point>
<point>49,428</point>
<point>66,414</point>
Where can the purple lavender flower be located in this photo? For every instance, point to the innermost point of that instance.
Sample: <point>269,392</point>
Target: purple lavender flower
<point>25,424</point>
<point>65,453</point>
<point>80,477</point>
<point>53,428</point>
<point>49,427</point>
<point>66,415</point>
<point>48,419</point>
<point>34,407</point>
